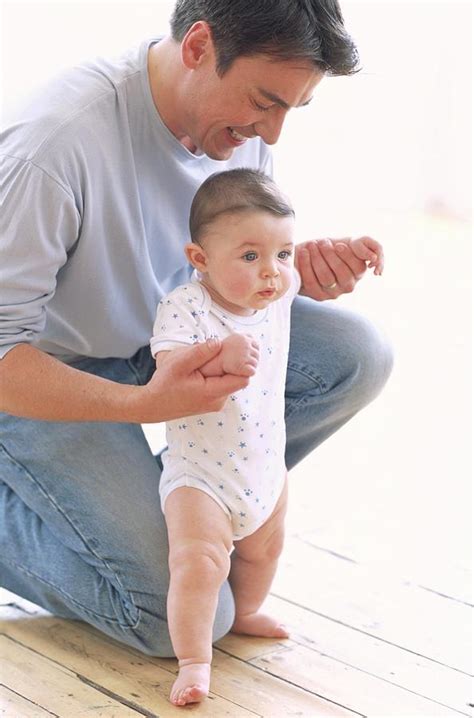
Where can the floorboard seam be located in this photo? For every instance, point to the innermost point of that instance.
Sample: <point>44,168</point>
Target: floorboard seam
<point>384,680</point>
<point>444,595</point>
<point>370,635</point>
<point>120,699</point>
<point>291,683</point>
<point>28,700</point>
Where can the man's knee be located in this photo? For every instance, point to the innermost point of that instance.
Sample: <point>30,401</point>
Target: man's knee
<point>371,355</point>
<point>338,352</point>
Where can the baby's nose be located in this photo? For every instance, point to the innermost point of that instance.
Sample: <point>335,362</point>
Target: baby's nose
<point>271,270</point>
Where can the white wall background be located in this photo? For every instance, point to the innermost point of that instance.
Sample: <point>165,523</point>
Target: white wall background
<point>386,152</point>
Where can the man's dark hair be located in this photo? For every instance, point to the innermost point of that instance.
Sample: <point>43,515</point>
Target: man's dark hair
<point>309,30</point>
<point>238,190</point>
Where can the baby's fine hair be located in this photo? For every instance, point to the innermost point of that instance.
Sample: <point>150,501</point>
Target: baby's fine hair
<point>238,190</point>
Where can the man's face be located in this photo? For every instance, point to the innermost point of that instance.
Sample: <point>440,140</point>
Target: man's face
<point>251,99</point>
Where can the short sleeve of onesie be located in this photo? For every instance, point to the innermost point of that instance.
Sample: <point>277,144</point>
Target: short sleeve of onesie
<point>179,319</point>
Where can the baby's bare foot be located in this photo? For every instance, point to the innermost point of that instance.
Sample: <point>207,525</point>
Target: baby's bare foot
<point>192,684</point>
<point>259,624</point>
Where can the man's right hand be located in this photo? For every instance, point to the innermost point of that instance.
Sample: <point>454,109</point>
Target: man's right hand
<point>179,389</point>
<point>38,386</point>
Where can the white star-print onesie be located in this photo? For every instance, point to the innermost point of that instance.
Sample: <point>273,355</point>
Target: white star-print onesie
<point>235,455</point>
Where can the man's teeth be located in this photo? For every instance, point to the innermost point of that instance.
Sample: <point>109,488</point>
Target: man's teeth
<point>236,135</point>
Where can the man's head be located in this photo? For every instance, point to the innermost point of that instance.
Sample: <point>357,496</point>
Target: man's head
<point>239,66</point>
<point>241,227</point>
<point>311,31</point>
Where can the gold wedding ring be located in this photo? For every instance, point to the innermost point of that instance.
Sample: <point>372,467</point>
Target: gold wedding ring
<point>330,286</point>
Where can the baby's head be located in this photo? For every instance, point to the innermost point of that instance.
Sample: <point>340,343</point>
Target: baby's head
<point>241,228</point>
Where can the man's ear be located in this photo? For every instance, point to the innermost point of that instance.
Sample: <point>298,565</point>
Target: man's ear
<point>196,256</point>
<point>197,45</point>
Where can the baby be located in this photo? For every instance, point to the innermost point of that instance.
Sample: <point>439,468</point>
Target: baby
<point>224,484</point>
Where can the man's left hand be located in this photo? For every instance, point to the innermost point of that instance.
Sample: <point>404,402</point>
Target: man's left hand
<point>328,268</point>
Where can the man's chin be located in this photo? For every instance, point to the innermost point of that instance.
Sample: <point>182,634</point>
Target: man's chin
<point>221,156</point>
<point>218,153</point>
<point>213,153</point>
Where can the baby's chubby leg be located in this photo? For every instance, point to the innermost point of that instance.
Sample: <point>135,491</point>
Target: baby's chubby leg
<point>239,355</point>
<point>254,563</point>
<point>200,539</point>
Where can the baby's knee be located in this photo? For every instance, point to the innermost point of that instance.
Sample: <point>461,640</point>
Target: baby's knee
<point>202,560</point>
<point>267,549</point>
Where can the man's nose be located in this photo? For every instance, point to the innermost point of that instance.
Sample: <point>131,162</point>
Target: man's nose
<point>270,126</point>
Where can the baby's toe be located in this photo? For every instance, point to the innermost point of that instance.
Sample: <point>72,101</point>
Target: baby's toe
<point>192,693</point>
<point>281,631</point>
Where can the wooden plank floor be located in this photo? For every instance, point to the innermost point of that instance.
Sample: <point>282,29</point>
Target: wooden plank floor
<point>353,656</point>
<point>374,582</point>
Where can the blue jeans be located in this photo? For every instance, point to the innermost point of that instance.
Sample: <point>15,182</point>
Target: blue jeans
<point>81,530</point>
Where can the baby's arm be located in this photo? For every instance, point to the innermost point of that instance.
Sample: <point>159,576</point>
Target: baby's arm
<point>239,355</point>
<point>369,250</point>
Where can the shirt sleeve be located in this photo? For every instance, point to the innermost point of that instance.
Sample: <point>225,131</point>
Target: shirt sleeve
<point>180,320</point>
<point>39,224</point>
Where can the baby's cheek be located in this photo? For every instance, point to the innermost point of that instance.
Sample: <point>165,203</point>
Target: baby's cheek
<point>239,285</point>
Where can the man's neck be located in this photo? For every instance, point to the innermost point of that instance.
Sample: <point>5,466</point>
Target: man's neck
<point>164,77</point>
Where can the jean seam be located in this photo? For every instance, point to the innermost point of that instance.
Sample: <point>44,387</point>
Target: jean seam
<point>49,498</point>
<point>308,374</point>
<point>134,371</point>
<point>293,405</point>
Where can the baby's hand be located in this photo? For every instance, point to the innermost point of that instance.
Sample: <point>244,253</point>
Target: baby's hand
<point>369,250</point>
<point>240,354</point>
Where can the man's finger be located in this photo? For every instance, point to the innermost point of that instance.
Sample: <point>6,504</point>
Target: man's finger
<point>355,265</point>
<point>321,267</point>
<point>309,281</point>
<point>342,272</point>
<point>196,355</point>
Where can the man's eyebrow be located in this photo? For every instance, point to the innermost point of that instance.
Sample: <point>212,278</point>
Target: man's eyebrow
<point>278,101</point>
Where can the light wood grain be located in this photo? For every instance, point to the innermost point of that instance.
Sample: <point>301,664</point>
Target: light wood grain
<point>315,673</point>
<point>53,687</point>
<point>404,615</point>
<point>373,655</point>
<point>12,705</point>
<point>350,687</point>
<point>238,689</point>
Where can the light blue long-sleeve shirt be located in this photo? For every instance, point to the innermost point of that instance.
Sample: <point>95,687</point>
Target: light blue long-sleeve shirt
<point>95,195</point>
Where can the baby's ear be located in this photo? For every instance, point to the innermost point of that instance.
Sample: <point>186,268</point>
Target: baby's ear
<point>196,256</point>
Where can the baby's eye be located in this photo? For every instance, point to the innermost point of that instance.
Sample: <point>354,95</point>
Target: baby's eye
<point>250,256</point>
<point>285,254</point>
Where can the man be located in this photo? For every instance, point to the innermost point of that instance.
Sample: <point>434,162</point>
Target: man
<point>98,178</point>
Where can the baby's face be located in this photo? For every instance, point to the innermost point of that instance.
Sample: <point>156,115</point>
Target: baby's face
<point>249,259</point>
